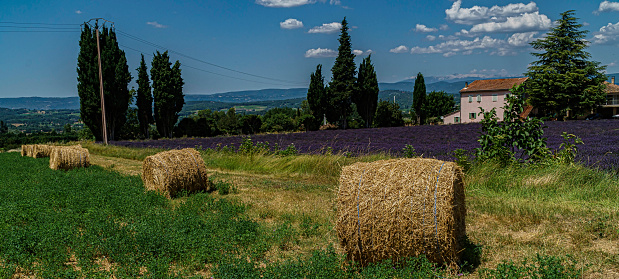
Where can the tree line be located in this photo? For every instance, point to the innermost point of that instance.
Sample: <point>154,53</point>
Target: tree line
<point>352,102</point>
<point>167,89</point>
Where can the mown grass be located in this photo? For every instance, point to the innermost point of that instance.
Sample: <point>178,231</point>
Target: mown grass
<point>525,219</point>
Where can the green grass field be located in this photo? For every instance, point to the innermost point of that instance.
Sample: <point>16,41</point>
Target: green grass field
<point>278,221</point>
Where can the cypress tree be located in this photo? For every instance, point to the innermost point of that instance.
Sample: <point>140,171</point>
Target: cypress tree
<point>563,79</point>
<point>366,95</point>
<point>167,92</point>
<point>343,82</point>
<point>316,94</point>
<point>116,78</point>
<point>144,100</point>
<point>419,99</point>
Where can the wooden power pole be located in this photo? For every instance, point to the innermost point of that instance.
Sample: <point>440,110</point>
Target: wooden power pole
<point>101,85</point>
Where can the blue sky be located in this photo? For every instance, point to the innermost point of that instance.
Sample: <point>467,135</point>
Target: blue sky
<point>257,44</point>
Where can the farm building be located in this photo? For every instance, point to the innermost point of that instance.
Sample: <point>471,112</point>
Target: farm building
<point>612,100</point>
<point>487,94</point>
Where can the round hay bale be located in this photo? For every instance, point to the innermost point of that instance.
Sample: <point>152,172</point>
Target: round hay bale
<point>26,150</point>
<point>69,157</point>
<point>171,171</point>
<point>42,151</point>
<point>393,209</point>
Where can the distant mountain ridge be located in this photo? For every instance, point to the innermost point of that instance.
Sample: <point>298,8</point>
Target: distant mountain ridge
<point>451,85</point>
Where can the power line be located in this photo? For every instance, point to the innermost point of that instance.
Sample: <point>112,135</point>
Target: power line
<point>206,71</point>
<point>37,23</point>
<point>50,28</point>
<point>125,34</point>
<point>40,27</point>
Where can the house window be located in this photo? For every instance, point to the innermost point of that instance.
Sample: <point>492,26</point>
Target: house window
<point>457,119</point>
<point>470,98</point>
<point>478,98</point>
<point>495,98</point>
<point>472,115</point>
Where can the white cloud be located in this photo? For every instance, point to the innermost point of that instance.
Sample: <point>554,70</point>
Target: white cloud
<point>320,53</point>
<point>424,29</point>
<point>284,3</point>
<point>400,49</point>
<point>607,35</point>
<point>361,52</point>
<point>291,23</point>
<point>78,12</point>
<point>479,14</point>
<point>444,27</point>
<point>525,22</point>
<point>156,24</point>
<point>430,38</point>
<point>327,28</point>
<point>335,2</point>
<point>608,6</point>
<point>486,44</point>
<point>522,39</point>
<point>480,74</point>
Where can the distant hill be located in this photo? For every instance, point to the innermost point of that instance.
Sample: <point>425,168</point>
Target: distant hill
<point>451,85</point>
<point>40,103</point>
<point>250,95</point>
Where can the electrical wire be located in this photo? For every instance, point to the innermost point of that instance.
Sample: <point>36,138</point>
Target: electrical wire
<point>54,28</point>
<point>206,71</point>
<point>125,34</point>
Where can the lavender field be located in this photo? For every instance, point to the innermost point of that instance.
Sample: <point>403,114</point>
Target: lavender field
<point>600,137</point>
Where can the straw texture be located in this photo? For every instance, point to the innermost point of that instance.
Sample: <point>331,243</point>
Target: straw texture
<point>68,157</point>
<point>393,209</point>
<point>27,149</point>
<point>171,171</point>
<point>42,150</point>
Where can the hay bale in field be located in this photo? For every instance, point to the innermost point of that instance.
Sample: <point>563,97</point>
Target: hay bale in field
<point>399,208</point>
<point>42,150</point>
<point>26,150</point>
<point>171,171</point>
<point>69,157</point>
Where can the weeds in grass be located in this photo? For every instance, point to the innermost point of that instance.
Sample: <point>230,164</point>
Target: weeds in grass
<point>541,267</point>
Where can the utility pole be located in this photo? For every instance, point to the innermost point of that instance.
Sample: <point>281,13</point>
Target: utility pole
<point>101,85</point>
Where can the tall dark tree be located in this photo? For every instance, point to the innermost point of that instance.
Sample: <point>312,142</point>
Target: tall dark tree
<point>343,81</point>
<point>366,95</point>
<point>116,78</point>
<point>563,79</point>
<point>3,128</point>
<point>316,95</point>
<point>167,92</point>
<point>419,98</point>
<point>144,99</point>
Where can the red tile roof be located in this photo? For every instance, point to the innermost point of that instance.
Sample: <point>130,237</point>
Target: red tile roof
<point>611,88</point>
<point>493,84</point>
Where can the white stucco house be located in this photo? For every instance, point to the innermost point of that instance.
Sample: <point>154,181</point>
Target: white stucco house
<point>487,94</point>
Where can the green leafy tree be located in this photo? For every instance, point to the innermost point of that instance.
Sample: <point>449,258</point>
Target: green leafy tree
<point>250,124</point>
<point>144,100</point>
<point>439,103</point>
<point>167,92</point>
<point>366,95</point>
<point>116,78</point>
<point>563,79</point>
<point>419,99</point>
<point>388,114</point>
<point>342,83</point>
<point>228,123</point>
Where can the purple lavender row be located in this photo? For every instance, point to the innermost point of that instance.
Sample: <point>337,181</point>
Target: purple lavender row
<point>601,138</point>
